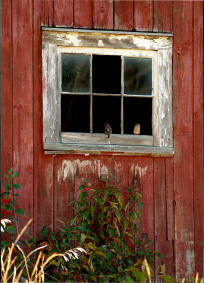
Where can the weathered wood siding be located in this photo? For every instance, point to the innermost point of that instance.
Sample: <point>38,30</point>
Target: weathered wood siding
<point>171,187</point>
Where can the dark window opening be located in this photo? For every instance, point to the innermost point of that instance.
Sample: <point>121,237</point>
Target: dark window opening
<point>106,78</point>
<point>106,110</point>
<point>106,73</point>
<point>138,111</point>
<point>75,113</point>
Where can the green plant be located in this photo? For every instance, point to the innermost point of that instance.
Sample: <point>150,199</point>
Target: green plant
<point>8,203</point>
<point>105,225</point>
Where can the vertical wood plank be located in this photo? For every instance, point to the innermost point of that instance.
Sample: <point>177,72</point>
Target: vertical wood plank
<point>63,13</point>
<point>170,198</point>
<point>43,165</point>
<point>64,189</point>
<point>49,12</point>
<point>83,13</point>
<point>6,87</point>
<point>103,14</point>
<point>163,16</point>
<point>143,15</point>
<point>145,170</point>
<point>123,15</point>
<point>198,134</point>
<point>23,103</point>
<point>183,138</point>
<point>162,245</point>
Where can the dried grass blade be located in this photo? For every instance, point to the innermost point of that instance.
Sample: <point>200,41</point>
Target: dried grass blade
<point>25,260</point>
<point>23,230</point>
<point>36,265</point>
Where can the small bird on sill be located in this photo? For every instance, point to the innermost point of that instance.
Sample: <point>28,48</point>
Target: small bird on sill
<point>108,129</point>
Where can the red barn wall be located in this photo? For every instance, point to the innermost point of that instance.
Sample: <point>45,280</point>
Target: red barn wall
<point>171,187</point>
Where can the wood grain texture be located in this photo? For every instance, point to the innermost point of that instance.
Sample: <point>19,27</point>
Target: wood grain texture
<point>23,103</point>
<point>103,14</point>
<point>183,138</point>
<point>163,16</point>
<point>161,244</point>
<point>6,87</point>
<point>51,94</point>
<point>48,17</point>
<point>63,13</point>
<point>83,13</point>
<point>123,15</point>
<point>143,15</point>
<point>43,165</point>
<point>198,134</point>
<point>169,163</point>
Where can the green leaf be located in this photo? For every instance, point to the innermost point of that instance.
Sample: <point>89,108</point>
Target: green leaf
<point>10,229</point>
<point>110,232</point>
<point>5,243</point>
<point>7,187</point>
<point>139,203</point>
<point>44,231</point>
<point>7,176</point>
<point>15,174</point>
<point>82,196</point>
<point>7,207</point>
<point>134,228</point>
<point>168,279</point>
<point>4,195</point>
<point>129,280</point>
<point>16,186</point>
<point>81,188</point>
<point>15,219</point>
<point>16,195</point>
<point>19,211</point>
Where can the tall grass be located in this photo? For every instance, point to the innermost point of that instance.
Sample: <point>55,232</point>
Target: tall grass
<point>13,270</point>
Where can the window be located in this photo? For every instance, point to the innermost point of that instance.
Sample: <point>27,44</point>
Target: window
<point>107,91</point>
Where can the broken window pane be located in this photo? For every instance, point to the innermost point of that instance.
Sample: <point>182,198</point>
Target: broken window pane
<point>138,111</point>
<point>137,76</point>
<point>106,74</point>
<point>75,113</point>
<point>75,73</point>
<point>106,109</point>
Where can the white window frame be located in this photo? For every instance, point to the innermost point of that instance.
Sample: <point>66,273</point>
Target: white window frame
<point>155,46</point>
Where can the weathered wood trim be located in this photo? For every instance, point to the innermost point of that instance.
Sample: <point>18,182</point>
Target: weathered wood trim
<point>114,139</point>
<point>98,149</point>
<point>162,102</point>
<point>113,40</point>
<point>164,34</point>
<point>159,48</point>
<point>51,96</point>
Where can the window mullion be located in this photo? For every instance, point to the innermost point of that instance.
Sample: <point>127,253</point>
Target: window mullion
<point>91,97</point>
<point>122,93</point>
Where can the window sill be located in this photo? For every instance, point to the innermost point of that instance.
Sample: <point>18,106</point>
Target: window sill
<point>62,148</point>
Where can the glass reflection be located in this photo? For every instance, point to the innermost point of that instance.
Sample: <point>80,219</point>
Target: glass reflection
<point>75,73</point>
<point>138,76</point>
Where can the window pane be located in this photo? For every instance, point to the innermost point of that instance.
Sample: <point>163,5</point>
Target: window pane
<point>106,74</point>
<point>138,111</point>
<point>138,76</point>
<point>106,109</point>
<point>75,113</point>
<point>75,73</point>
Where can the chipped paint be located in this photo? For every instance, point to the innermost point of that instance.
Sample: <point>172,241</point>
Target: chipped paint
<point>100,42</point>
<point>70,168</point>
<point>190,261</point>
<point>139,170</point>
